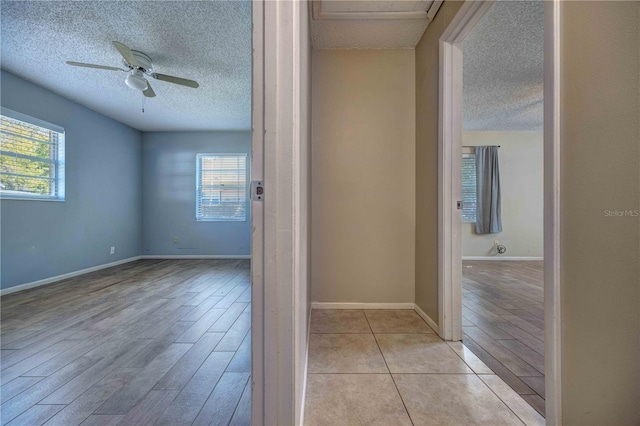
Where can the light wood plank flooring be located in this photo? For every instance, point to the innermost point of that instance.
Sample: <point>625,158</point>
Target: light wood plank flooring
<point>162,342</point>
<point>503,322</point>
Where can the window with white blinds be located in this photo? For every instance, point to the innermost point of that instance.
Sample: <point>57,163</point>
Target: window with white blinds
<point>221,187</point>
<point>469,198</point>
<point>31,158</point>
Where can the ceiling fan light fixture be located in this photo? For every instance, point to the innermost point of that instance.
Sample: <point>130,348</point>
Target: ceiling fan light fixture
<point>136,81</point>
<point>138,65</point>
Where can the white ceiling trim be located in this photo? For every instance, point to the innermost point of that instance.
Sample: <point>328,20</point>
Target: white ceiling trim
<point>367,24</point>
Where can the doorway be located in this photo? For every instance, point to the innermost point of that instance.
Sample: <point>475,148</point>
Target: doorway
<point>502,196</point>
<point>450,277</point>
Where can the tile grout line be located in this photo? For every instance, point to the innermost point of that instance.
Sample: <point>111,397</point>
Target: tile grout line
<point>466,363</point>
<point>498,396</point>
<point>389,370</point>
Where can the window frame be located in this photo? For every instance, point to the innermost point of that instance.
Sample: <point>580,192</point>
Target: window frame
<point>57,160</point>
<point>475,210</point>
<point>199,217</point>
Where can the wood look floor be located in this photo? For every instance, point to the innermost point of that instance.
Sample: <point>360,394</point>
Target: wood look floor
<point>503,322</point>
<point>162,342</point>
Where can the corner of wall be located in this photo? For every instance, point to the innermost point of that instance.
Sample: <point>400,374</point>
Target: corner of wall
<point>426,104</point>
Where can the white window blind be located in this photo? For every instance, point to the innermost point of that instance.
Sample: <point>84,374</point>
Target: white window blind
<point>221,187</point>
<point>469,199</point>
<point>31,158</point>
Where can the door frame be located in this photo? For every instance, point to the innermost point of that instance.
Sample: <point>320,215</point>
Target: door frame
<point>449,170</point>
<point>280,120</point>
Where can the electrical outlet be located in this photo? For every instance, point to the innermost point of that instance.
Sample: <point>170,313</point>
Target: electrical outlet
<point>113,250</point>
<point>175,240</point>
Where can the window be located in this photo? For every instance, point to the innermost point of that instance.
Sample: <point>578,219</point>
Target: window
<point>469,199</point>
<point>31,158</point>
<point>221,187</point>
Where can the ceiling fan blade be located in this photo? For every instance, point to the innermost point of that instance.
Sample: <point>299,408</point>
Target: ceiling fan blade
<point>126,53</point>
<point>102,67</point>
<point>176,80</point>
<point>149,93</point>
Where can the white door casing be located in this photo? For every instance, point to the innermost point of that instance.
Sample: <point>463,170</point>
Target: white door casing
<point>279,226</point>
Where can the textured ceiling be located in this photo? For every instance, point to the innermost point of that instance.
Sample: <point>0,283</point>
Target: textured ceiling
<point>503,69</point>
<point>206,41</point>
<point>380,33</point>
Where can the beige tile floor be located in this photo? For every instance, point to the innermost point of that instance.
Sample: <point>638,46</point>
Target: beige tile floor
<point>387,367</point>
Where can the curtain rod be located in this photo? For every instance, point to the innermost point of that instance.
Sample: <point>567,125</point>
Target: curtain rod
<point>473,146</point>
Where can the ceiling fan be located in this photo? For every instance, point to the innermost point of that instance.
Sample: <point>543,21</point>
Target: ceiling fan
<point>139,65</point>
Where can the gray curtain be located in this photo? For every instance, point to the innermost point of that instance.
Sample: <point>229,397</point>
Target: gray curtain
<point>488,216</point>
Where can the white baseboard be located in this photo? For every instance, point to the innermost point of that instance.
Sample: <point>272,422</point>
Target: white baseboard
<point>501,258</point>
<point>196,256</point>
<point>65,276</point>
<point>116,263</point>
<point>427,318</point>
<point>355,305</point>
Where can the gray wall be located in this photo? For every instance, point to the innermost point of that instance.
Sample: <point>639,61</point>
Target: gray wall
<point>600,252</point>
<point>169,195</point>
<point>42,239</point>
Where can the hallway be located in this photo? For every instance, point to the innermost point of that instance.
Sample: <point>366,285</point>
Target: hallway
<point>387,367</point>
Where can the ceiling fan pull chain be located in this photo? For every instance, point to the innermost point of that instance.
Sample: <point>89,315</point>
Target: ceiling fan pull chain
<point>143,100</point>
